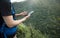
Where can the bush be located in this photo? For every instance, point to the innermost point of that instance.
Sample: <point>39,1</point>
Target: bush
<point>29,32</point>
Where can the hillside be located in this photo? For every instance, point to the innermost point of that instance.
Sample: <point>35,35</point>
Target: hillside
<point>46,18</point>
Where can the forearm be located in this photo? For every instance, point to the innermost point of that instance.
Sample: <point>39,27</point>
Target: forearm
<point>11,23</point>
<point>17,15</point>
<point>22,14</point>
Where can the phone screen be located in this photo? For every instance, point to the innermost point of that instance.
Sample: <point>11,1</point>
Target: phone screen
<point>30,12</point>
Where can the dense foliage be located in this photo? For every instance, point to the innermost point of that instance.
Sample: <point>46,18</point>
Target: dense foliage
<point>45,22</point>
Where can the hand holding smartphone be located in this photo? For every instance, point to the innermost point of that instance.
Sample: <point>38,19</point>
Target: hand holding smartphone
<point>29,14</point>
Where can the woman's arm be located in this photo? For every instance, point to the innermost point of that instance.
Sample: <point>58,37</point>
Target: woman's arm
<point>17,15</point>
<point>21,14</point>
<point>11,23</point>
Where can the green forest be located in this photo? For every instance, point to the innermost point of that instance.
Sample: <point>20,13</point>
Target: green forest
<point>43,23</point>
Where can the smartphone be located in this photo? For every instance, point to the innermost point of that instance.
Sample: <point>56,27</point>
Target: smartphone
<point>31,12</point>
